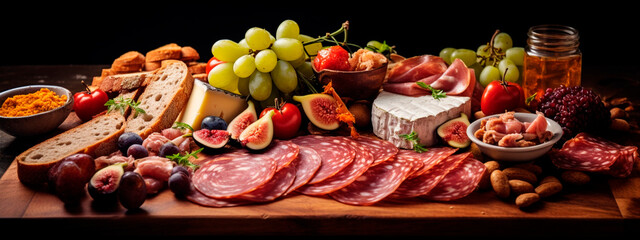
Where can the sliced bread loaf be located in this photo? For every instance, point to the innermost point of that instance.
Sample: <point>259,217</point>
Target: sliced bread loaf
<point>163,99</point>
<point>96,137</point>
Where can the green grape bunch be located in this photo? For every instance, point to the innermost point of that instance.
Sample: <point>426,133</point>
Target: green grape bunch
<point>496,60</point>
<point>261,62</point>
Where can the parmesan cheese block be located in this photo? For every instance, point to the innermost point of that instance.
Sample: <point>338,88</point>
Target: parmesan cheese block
<point>394,114</point>
<point>206,100</point>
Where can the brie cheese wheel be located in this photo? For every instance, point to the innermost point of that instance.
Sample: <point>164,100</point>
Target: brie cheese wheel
<point>394,114</point>
<point>206,100</point>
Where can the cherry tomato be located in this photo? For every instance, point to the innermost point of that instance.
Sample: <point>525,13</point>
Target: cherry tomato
<point>334,58</point>
<point>88,103</point>
<point>500,96</point>
<point>286,120</point>
<point>212,63</point>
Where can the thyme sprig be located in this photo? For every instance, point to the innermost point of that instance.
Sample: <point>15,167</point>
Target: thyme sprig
<point>415,141</point>
<point>185,159</point>
<point>121,103</point>
<point>435,93</point>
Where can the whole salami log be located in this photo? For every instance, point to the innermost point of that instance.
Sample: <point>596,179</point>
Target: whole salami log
<point>306,165</point>
<point>228,177</point>
<point>335,154</point>
<point>376,183</point>
<point>361,162</point>
<point>382,150</point>
<point>422,184</point>
<point>458,183</point>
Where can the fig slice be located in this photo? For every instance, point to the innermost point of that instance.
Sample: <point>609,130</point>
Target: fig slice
<point>320,109</point>
<point>105,182</point>
<point>242,121</point>
<point>454,132</point>
<point>212,139</point>
<point>259,134</point>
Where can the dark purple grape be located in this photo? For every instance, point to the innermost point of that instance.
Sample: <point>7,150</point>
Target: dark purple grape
<point>213,122</point>
<point>132,191</point>
<point>179,183</point>
<point>69,182</point>
<point>181,168</point>
<point>127,139</point>
<point>168,149</point>
<point>137,151</point>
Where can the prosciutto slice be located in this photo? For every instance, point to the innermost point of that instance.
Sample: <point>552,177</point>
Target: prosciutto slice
<point>415,68</point>
<point>457,80</point>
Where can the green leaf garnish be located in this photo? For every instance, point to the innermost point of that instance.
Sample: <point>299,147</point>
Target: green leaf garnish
<point>415,141</point>
<point>122,103</point>
<point>435,93</point>
<point>184,159</point>
<point>182,126</point>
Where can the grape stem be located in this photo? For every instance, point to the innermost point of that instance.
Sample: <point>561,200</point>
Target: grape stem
<point>494,54</point>
<point>331,37</point>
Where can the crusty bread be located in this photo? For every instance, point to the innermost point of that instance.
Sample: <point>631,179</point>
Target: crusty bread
<point>168,51</point>
<point>96,137</point>
<point>125,81</point>
<point>163,99</point>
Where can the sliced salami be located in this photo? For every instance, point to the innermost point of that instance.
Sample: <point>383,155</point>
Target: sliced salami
<point>306,165</point>
<point>594,154</point>
<point>336,154</point>
<point>423,183</point>
<point>375,184</point>
<point>459,182</point>
<point>228,177</point>
<point>381,150</point>
<point>362,160</point>
<point>430,158</point>
<point>197,197</point>
<point>284,152</point>
<point>274,188</point>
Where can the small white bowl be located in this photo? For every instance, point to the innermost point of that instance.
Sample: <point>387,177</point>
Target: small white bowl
<point>516,154</point>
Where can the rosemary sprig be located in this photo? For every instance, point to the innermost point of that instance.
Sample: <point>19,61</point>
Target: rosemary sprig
<point>435,93</point>
<point>122,103</point>
<point>182,126</point>
<point>415,141</point>
<point>184,159</point>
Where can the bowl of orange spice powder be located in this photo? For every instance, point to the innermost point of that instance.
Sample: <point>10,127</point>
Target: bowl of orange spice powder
<point>34,109</point>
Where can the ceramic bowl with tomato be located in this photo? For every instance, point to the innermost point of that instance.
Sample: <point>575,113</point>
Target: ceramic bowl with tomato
<point>516,154</point>
<point>40,123</point>
<point>358,85</point>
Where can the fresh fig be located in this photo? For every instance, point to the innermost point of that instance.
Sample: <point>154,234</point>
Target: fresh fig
<point>212,139</point>
<point>104,184</point>
<point>454,132</point>
<point>242,121</point>
<point>259,134</point>
<point>320,109</point>
<point>132,191</point>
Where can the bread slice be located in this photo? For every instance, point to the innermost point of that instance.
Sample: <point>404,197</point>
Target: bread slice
<point>165,52</point>
<point>125,81</point>
<point>163,99</point>
<point>96,137</point>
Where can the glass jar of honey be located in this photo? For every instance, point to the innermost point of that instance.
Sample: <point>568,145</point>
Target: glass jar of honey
<point>552,58</point>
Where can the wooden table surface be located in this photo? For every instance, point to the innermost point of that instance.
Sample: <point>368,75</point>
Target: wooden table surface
<point>604,208</point>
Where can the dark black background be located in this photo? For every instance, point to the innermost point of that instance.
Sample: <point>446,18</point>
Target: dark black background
<point>98,32</point>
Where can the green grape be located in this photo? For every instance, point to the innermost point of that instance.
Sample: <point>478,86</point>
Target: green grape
<point>299,61</point>
<point>288,29</point>
<point>311,49</point>
<point>502,41</point>
<point>243,43</point>
<point>244,66</point>
<point>257,38</point>
<point>305,70</point>
<point>508,70</point>
<point>223,77</point>
<point>284,76</point>
<point>243,86</point>
<point>488,75</point>
<point>287,49</point>
<point>266,60</point>
<point>228,51</point>
<point>260,85</point>
<point>483,51</point>
<point>516,55</point>
<point>445,54</point>
<point>466,55</point>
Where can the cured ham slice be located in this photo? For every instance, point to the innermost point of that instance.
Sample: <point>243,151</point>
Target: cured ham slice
<point>361,162</point>
<point>376,183</point>
<point>336,154</point>
<point>458,183</point>
<point>588,153</point>
<point>228,177</point>
<point>457,80</point>
<point>415,68</point>
<point>382,150</point>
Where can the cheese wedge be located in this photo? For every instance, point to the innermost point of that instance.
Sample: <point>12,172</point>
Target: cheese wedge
<point>206,100</point>
<point>394,114</point>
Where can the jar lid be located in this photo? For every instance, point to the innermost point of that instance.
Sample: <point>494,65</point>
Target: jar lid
<point>553,37</point>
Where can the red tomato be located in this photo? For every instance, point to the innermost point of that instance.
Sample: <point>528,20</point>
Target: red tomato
<point>334,58</point>
<point>212,63</point>
<point>87,104</point>
<point>500,96</point>
<point>286,120</point>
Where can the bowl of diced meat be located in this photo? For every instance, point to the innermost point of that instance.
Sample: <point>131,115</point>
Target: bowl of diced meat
<point>514,136</point>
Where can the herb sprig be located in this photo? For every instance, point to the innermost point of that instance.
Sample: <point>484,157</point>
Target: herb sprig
<point>121,103</point>
<point>184,159</point>
<point>415,141</point>
<point>435,93</point>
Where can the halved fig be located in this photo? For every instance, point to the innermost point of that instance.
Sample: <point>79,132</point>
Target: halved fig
<point>105,182</point>
<point>212,139</point>
<point>242,121</point>
<point>454,131</point>
<point>320,109</point>
<point>259,134</point>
